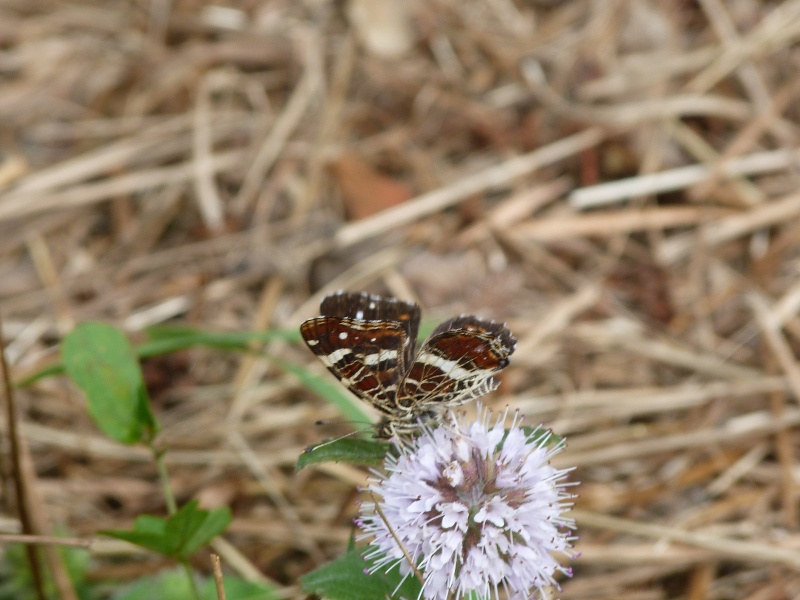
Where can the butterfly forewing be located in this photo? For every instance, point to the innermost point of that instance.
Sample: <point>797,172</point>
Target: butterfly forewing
<point>369,307</point>
<point>456,363</point>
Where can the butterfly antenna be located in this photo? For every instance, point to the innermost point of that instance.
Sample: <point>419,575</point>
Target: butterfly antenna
<point>331,441</point>
<point>346,435</point>
<point>341,422</point>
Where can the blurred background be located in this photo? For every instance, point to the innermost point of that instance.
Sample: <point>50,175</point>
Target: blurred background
<point>617,180</point>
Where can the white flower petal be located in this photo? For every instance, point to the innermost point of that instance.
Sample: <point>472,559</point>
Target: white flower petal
<point>498,535</point>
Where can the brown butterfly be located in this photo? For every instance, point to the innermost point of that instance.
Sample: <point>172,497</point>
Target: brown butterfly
<point>368,342</point>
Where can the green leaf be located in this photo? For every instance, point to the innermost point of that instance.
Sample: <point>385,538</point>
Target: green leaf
<point>552,439</point>
<point>346,579</point>
<point>170,584</point>
<point>17,581</point>
<point>170,338</point>
<point>239,589</point>
<point>48,371</point>
<point>196,527</point>
<point>178,536</point>
<point>100,360</point>
<point>350,450</point>
<point>165,339</point>
<point>173,584</point>
<point>147,532</point>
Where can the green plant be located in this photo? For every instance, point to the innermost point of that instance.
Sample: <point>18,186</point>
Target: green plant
<point>103,364</point>
<point>101,361</point>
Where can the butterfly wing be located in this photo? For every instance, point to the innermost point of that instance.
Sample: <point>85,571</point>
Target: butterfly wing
<point>456,364</point>
<point>364,341</point>
<point>363,306</point>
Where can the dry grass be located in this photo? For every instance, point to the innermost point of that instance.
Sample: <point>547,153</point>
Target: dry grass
<point>616,179</point>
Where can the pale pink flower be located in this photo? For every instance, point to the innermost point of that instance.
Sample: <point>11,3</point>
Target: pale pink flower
<point>476,508</point>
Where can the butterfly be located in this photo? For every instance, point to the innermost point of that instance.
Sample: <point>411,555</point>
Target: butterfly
<point>368,342</point>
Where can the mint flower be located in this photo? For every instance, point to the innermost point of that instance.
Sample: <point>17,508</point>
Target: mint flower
<point>474,508</point>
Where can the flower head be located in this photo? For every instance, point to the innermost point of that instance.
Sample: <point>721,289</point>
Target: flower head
<point>474,507</point>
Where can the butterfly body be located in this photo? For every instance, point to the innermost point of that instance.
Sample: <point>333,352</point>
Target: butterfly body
<point>369,342</point>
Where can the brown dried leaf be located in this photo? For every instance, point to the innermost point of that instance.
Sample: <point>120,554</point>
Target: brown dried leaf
<point>364,190</point>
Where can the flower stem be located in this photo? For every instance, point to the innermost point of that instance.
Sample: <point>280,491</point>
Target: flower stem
<point>172,508</point>
<point>163,477</point>
<point>190,575</point>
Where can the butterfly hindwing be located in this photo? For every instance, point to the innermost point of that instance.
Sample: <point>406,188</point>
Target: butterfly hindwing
<point>367,356</point>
